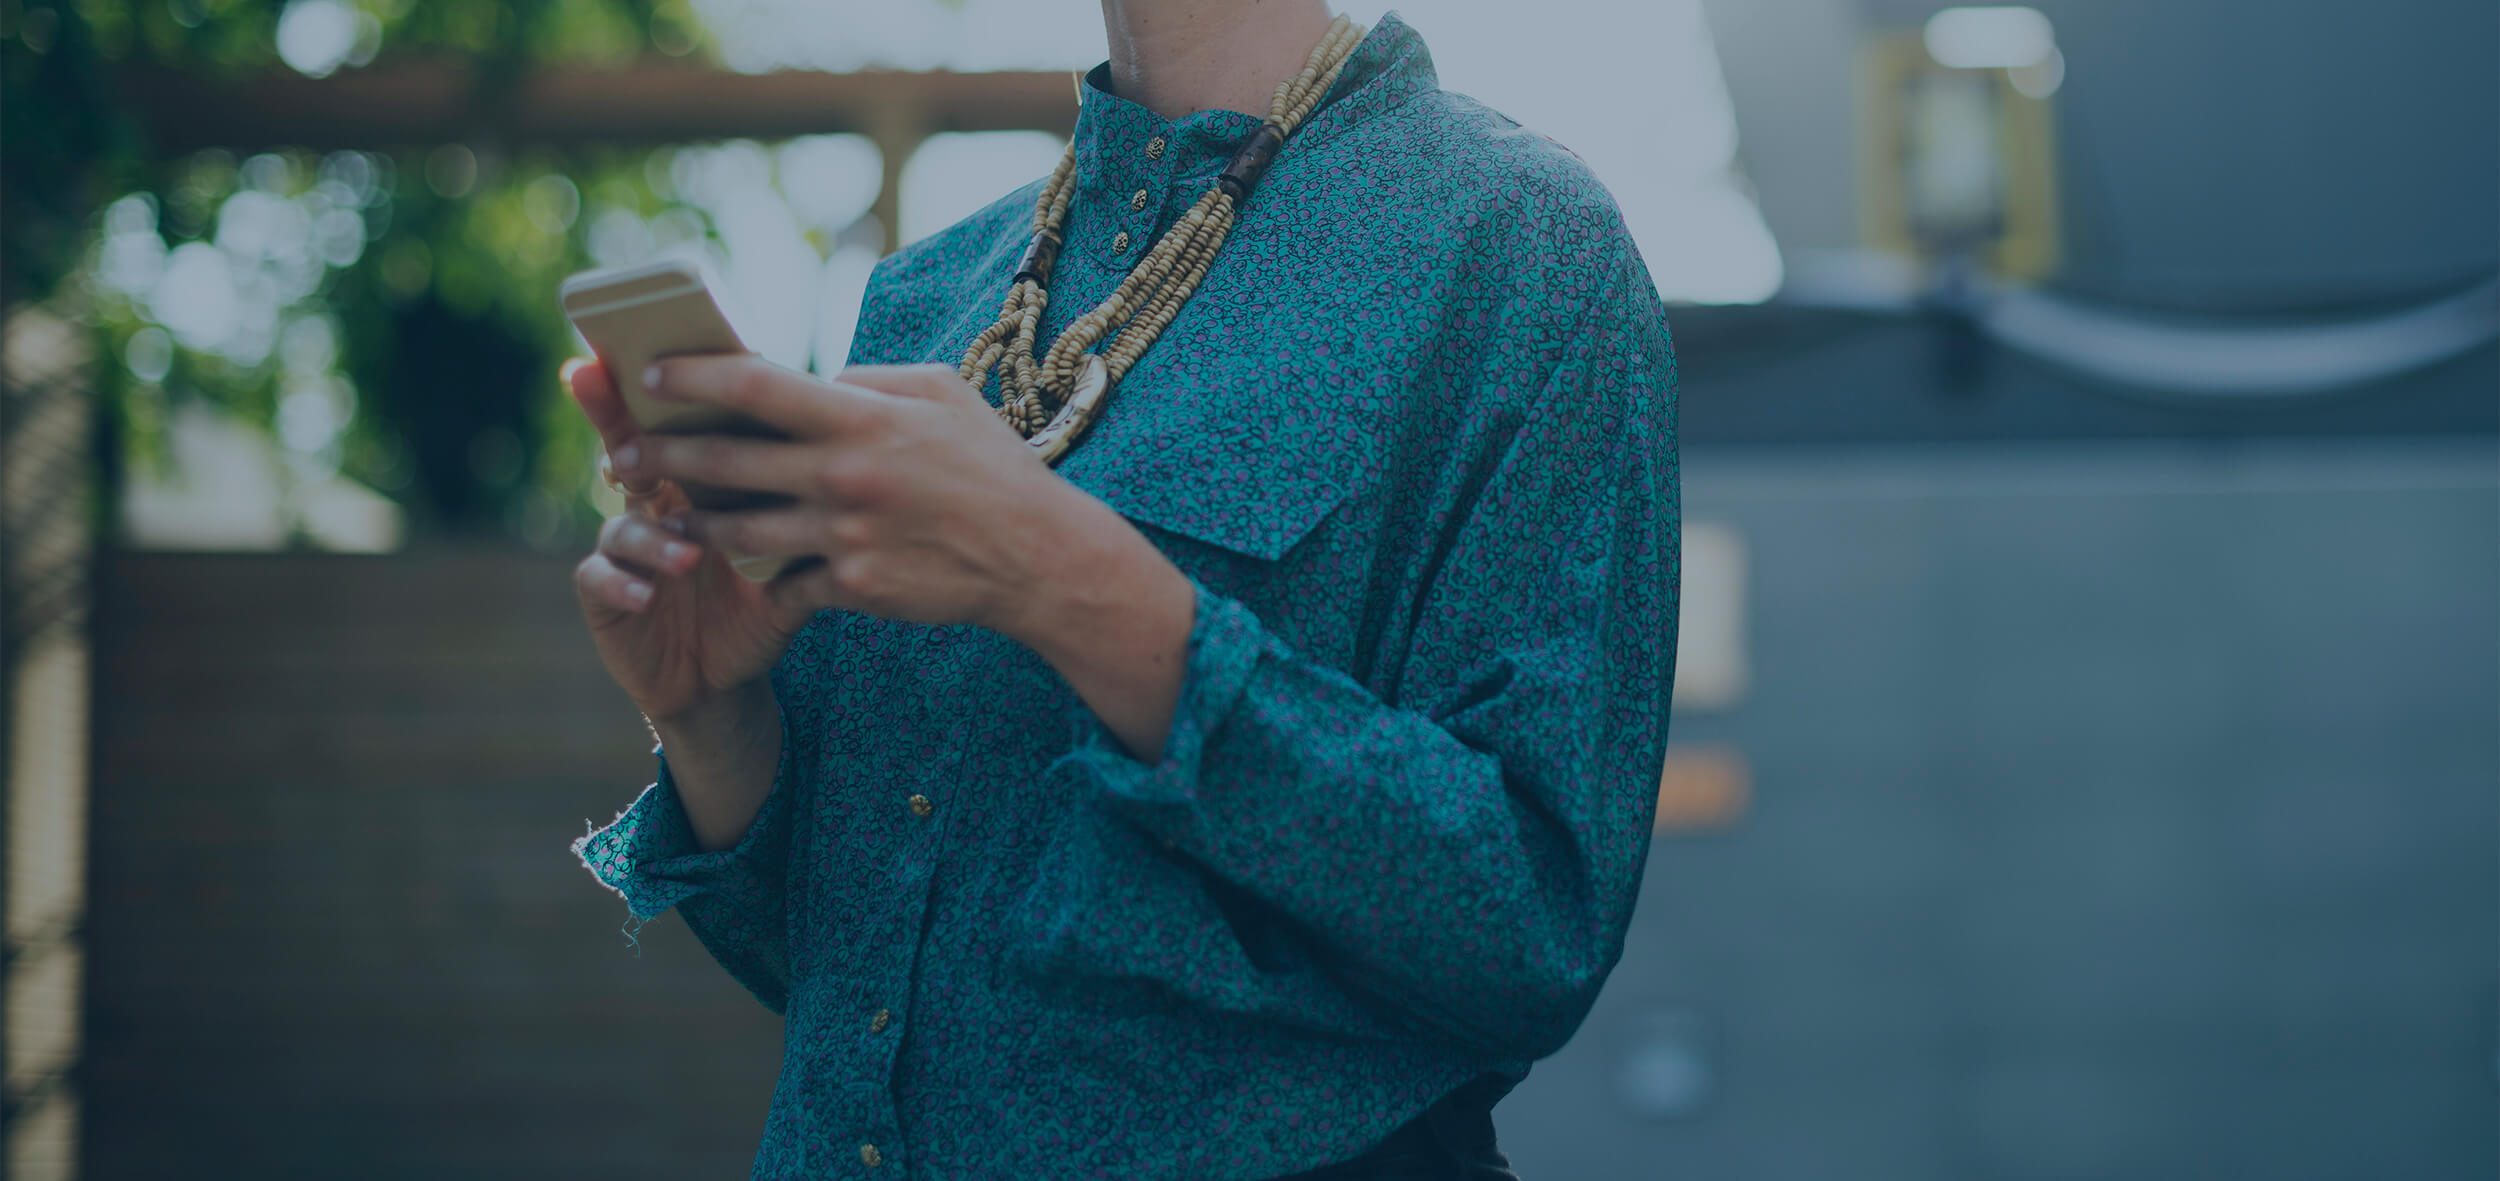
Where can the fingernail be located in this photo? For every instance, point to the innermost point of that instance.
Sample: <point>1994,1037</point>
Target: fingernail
<point>627,457</point>
<point>675,552</point>
<point>639,593</point>
<point>675,524</point>
<point>651,380</point>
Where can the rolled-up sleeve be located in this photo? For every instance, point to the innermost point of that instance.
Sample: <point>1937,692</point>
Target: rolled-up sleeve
<point>735,899</point>
<point>1466,841</point>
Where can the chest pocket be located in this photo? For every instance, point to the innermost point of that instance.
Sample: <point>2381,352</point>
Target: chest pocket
<point>1232,479</point>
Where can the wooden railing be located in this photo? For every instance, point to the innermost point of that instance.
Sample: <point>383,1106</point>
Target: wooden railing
<point>445,101</point>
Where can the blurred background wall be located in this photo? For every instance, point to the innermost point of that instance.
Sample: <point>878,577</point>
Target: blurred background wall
<point>2089,712</point>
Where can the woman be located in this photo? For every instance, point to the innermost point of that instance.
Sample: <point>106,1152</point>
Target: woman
<point>1218,733</point>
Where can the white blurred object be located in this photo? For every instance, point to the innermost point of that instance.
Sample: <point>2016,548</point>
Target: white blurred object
<point>316,37</point>
<point>618,236</point>
<point>343,516</point>
<point>953,176</point>
<point>219,489</point>
<point>1995,37</point>
<point>831,180</point>
<point>195,297</point>
<point>1642,102</point>
<point>1711,668</point>
<point>843,287</point>
<point>771,274</point>
<point>1954,169</point>
<point>225,487</point>
<point>760,35</point>
<point>1793,77</point>
<point>765,268</point>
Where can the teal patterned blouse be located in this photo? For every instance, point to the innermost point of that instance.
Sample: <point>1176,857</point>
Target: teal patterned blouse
<point>1414,443</point>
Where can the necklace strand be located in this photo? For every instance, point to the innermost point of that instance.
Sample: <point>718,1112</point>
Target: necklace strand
<point>1052,397</point>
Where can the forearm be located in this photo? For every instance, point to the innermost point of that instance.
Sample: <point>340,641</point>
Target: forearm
<point>723,756</point>
<point>1112,615</point>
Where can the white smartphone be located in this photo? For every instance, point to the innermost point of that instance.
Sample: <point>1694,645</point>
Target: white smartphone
<point>634,315</point>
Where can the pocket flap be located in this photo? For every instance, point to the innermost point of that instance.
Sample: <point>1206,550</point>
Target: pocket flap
<point>1248,485</point>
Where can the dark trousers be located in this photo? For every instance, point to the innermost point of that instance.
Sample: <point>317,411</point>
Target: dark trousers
<point>1451,1141</point>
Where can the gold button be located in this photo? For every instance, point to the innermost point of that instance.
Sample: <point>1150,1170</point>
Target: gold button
<point>921,807</point>
<point>869,1156</point>
<point>1137,200</point>
<point>878,1023</point>
<point>1119,242</point>
<point>1154,148</point>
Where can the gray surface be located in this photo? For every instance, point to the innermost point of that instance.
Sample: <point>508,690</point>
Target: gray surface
<point>2118,811</point>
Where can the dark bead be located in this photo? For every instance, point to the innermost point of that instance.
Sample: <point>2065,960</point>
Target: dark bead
<point>1038,257</point>
<point>1250,163</point>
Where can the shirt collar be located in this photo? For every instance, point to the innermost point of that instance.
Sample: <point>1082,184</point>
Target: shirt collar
<point>1122,145</point>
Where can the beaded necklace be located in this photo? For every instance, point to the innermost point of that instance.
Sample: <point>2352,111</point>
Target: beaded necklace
<point>1051,399</point>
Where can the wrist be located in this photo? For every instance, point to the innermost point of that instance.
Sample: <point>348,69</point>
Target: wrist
<point>722,754</point>
<point>1091,575</point>
<point>718,719</point>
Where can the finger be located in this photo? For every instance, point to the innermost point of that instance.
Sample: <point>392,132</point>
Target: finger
<point>596,393</point>
<point>635,488</point>
<point>602,583</point>
<point>727,462</point>
<point>799,404</point>
<point>932,383</point>
<point>643,547</point>
<point>588,381</point>
<point>760,533</point>
<point>660,502</point>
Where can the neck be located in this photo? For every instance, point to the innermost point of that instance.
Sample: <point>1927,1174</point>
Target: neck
<point>1178,57</point>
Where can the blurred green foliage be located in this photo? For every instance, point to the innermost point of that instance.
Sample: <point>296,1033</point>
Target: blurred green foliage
<point>388,318</point>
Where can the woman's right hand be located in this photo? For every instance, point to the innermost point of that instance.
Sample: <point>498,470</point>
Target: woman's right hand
<point>678,629</point>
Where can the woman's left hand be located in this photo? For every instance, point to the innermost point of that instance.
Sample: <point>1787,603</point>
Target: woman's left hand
<point>921,501</point>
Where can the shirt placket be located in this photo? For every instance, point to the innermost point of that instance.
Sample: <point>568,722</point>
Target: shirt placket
<point>1131,192</point>
<point>918,823</point>
<point>852,1010</point>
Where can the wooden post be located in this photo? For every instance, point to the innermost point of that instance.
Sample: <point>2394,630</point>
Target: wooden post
<point>47,425</point>
<point>898,129</point>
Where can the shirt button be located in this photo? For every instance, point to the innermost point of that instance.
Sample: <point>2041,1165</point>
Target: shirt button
<point>921,807</point>
<point>883,1018</point>
<point>1137,200</point>
<point>869,1156</point>
<point>1154,148</point>
<point>1119,242</point>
